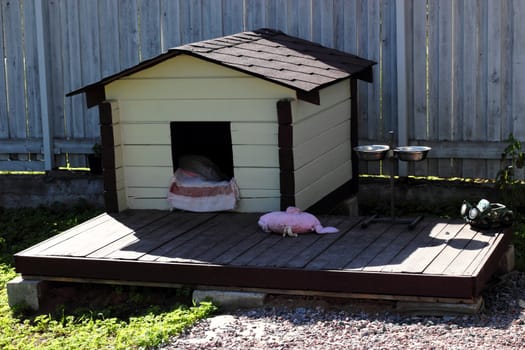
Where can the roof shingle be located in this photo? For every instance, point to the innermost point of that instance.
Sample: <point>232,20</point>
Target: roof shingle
<point>269,54</point>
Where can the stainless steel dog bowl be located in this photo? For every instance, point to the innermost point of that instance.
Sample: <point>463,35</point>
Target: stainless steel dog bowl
<point>412,153</point>
<point>371,152</point>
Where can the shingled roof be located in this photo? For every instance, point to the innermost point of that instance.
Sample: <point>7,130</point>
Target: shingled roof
<point>296,63</point>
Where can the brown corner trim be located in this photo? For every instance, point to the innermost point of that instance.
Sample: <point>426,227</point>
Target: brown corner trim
<point>354,135</point>
<point>365,75</point>
<point>284,112</point>
<point>108,157</point>
<point>286,161</point>
<point>310,96</point>
<point>95,95</point>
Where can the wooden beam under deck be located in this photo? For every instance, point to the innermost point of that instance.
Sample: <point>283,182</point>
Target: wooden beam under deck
<point>438,259</point>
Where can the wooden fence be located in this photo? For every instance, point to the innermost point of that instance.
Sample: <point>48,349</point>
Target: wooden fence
<point>450,74</point>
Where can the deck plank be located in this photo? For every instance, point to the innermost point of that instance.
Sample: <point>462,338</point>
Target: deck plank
<point>288,249</point>
<point>246,227</point>
<point>145,239</point>
<point>474,252</point>
<point>191,250</point>
<point>452,249</point>
<point>240,248</point>
<point>279,255</point>
<point>170,249</point>
<point>119,226</point>
<point>348,246</point>
<point>424,249</point>
<point>258,248</point>
<point>378,250</point>
<point>68,234</point>
<point>305,256</point>
<point>474,269</point>
<point>407,245</point>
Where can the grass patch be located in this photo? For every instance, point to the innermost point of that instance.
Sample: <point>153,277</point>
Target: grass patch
<point>84,316</point>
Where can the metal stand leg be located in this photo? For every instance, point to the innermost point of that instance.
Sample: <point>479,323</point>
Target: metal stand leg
<point>412,222</point>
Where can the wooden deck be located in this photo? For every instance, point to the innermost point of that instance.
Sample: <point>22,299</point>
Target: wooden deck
<point>438,259</point>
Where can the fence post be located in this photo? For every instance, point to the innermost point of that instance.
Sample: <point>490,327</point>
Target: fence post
<point>402,137</point>
<point>47,137</point>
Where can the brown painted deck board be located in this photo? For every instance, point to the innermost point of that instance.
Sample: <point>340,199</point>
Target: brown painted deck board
<point>452,248</point>
<point>480,262</point>
<point>379,252</point>
<point>439,258</point>
<point>424,249</point>
<point>409,246</point>
<point>348,246</point>
<point>304,257</point>
<point>85,244</point>
<point>166,229</point>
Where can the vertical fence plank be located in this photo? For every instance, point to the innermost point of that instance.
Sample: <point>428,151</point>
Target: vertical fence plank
<point>506,41</point>
<point>43,103</point>
<point>128,33</point>
<point>53,38</point>
<point>493,52</point>
<point>191,24</point>
<point>233,16</point>
<point>255,14</point>
<point>109,37</point>
<point>74,110</point>
<point>473,120</point>
<point>323,22</point>
<point>211,19</point>
<point>277,15</point>
<point>170,24</point>
<point>149,29</point>
<point>389,66</point>
<point>34,124</point>
<point>417,78</point>
<point>349,30</point>
<point>4,121</point>
<point>518,70</point>
<point>440,77</point>
<point>15,70</point>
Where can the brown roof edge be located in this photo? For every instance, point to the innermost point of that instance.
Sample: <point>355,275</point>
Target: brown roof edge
<point>366,75</point>
<point>91,88</point>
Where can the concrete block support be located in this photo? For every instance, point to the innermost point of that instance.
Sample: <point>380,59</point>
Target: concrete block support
<point>25,293</point>
<point>230,300</point>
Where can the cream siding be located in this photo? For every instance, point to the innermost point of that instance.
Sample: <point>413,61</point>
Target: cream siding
<point>188,89</point>
<point>321,144</point>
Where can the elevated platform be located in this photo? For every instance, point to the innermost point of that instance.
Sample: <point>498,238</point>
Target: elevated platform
<point>439,260</point>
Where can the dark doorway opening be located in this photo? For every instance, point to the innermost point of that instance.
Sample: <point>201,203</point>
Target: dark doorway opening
<point>209,139</point>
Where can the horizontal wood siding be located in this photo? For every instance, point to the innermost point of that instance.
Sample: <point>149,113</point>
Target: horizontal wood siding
<point>189,89</point>
<point>321,144</point>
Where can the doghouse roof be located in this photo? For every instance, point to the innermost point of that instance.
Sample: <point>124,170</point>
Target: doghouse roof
<point>296,63</point>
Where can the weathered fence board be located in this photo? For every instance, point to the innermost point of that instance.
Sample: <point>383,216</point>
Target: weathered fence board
<point>464,60</point>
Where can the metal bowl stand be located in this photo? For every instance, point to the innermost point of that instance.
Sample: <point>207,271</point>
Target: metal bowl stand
<point>412,222</point>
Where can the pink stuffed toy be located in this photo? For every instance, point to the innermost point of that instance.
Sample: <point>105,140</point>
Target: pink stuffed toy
<point>291,222</point>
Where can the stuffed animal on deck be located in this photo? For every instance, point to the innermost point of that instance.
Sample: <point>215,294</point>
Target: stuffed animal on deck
<point>291,222</point>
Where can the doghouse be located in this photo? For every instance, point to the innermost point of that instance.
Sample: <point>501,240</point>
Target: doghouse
<point>273,111</point>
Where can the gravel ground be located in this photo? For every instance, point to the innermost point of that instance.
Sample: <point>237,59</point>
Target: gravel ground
<point>308,323</point>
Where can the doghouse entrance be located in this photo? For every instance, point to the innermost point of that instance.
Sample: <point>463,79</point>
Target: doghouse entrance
<point>209,139</point>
